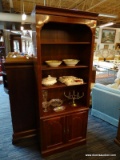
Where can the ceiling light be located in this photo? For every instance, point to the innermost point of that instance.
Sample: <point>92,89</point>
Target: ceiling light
<point>107,15</point>
<point>21,28</point>
<point>24,16</point>
<point>1,39</point>
<point>107,24</point>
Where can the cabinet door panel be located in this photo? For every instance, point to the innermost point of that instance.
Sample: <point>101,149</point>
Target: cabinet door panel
<point>76,126</point>
<point>53,132</point>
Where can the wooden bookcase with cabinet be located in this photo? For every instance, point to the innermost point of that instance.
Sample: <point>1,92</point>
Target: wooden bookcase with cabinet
<point>63,34</point>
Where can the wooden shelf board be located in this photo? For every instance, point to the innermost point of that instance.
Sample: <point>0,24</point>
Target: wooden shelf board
<point>45,67</point>
<point>52,42</point>
<point>60,85</point>
<point>68,110</point>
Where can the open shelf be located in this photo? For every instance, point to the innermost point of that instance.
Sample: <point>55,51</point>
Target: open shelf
<point>46,67</point>
<point>68,110</point>
<point>60,85</point>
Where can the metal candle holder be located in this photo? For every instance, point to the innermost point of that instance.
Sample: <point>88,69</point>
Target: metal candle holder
<point>73,96</point>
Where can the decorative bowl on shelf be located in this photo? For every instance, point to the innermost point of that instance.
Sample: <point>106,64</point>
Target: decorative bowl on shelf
<point>55,102</point>
<point>48,81</point>
<point>53,63</point>
<point>59,109</point>
<point>71,62</point>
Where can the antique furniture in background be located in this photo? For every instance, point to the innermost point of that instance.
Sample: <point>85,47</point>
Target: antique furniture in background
<point>15,43</point>
<point>22,94</point>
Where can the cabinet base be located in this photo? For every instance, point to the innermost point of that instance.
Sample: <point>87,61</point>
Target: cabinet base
<point>23,135</point>
<point>49,152</point>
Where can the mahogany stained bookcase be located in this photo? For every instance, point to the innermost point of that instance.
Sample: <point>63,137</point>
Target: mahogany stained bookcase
<point>63,34</point>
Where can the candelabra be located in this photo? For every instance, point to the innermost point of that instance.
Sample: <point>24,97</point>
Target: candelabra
<point>73,97</point>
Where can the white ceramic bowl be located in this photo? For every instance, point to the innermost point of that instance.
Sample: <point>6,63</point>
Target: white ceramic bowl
<point>71,62</point>
<point>53,63</point>
<point>48,81</point>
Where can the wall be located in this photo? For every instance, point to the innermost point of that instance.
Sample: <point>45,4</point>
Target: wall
<point>111,45</point>
<point>105,48</point>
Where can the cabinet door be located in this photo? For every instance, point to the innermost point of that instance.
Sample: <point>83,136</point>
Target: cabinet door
<point>53,132</point>
<point>76,126</point>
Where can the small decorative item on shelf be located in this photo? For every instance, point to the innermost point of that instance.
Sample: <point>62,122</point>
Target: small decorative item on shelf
<point>74,97</point>
<point>56,103</point>
<point>45,103</point>
<point>45,95</point>
<point>16,56</point>
<point>58,109</point>
<point>53,63</point>
<point>48,81</point>
<point>71,62</point>
<point>71,80</point>
<point>45,106</point>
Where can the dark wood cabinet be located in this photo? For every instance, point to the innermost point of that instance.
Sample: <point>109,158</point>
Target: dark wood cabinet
<point>63,34</point>
<point>58,132</point>
<point>15,40</point>
<point>22,93</point>
<point>53,132</point>
<point>76,127</point>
